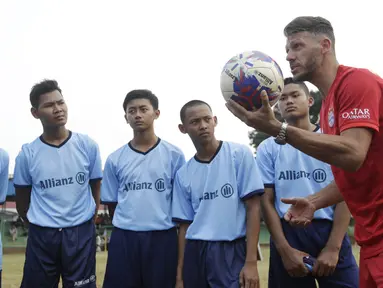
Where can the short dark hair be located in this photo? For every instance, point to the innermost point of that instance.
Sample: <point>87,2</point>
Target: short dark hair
<point>45,86</point>
<point>141,94</point>
<point>313,25</point>
<point>302,84</point>
<point>190,104</point>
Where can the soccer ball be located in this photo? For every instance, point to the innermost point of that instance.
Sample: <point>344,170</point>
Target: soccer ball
<point>245,75</point>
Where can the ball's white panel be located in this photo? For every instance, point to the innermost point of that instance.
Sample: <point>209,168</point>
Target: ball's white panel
<point>248,72</point>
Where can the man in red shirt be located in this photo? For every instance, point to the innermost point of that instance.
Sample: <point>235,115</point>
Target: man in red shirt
<point>352,116</point>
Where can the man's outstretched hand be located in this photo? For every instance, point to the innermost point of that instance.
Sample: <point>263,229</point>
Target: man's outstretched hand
<point>262,119</point>
<point>301,211</point>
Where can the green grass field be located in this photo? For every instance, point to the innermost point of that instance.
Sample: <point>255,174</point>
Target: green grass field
<point>13,268</point>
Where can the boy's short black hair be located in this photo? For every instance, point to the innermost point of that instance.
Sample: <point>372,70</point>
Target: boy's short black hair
<point>191,103</point>
<point>45,86</point>
<point>141,94</point>
<point>302,84</point>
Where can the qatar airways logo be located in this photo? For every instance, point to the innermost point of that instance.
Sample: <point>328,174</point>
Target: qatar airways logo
<point>356,114</point>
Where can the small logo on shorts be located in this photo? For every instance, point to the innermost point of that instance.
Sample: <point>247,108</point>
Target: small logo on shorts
<point>227,190</point>
<point>160,185</point>
<point>81,283</point>
<point>80,178</point>
<point>331,117</point>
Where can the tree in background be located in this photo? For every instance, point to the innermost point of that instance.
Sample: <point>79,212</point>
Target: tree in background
<point>257,137</point>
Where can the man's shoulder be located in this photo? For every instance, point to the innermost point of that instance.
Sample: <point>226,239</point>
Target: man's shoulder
<point>353,75</point>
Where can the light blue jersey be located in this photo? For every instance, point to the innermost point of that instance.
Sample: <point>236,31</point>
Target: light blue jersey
<point>59,176</point>
<point>293,173</point>
<point>210,195</point>
<point>4,171</point>
<point>142,185</point>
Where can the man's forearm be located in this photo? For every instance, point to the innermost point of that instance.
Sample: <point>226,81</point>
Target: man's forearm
<point>328,196</point>
<point>253,228</point>
<point>335,150</point>
<point>340,226</point>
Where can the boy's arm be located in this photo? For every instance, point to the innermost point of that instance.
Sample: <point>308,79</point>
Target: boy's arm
<point>273,221</point>
<point>253,227</point>
<point>22,182</point>
<point>95,173</point>
<point>329,256</point>
<point>109,187</point>
<point>95,186</point>
<point>292,258</point>
<point>181,249</point>
<point>23,199</point>
<point>250,188</point>
<point>341,222</point>
<point>111,209</point>
<point>182,213</point>
<point>4,176</point>
<point>267,170</point>
<point>249,276</point>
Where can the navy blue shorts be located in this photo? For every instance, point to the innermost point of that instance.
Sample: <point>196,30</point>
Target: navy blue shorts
<point>146,259</point>
<point>213,264</point>
<point>312,240</point>
<point>68,252</point>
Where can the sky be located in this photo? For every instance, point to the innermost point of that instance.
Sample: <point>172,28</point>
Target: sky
<point>100,50</point>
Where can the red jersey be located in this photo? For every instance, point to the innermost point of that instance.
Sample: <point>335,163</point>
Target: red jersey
<point>354,100</point>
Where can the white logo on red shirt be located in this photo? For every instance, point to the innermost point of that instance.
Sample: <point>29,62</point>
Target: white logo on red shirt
<point>356,114</point>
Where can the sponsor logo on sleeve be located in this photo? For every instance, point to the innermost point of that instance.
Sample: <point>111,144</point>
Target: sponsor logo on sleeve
<point>356,114</point>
